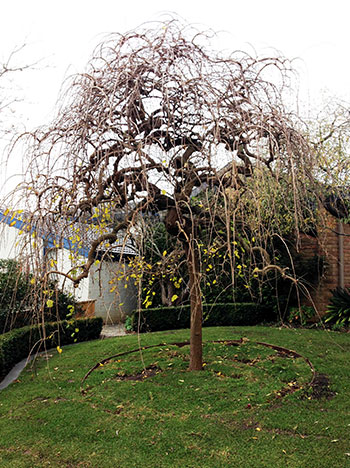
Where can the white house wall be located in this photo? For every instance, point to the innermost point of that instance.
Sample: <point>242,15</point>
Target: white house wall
<point>9,238</point>
<point>113,299</point>
<point>11,247</point>
<point>64,264</point>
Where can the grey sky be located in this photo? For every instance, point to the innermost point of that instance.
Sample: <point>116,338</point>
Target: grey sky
<point>63,34</point>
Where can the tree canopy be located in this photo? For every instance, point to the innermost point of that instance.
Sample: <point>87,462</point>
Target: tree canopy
<point>161,122</point>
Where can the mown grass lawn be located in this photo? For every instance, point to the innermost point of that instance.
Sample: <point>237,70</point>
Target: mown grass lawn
<point>250,407</point>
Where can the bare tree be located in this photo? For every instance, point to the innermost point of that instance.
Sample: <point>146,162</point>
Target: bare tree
<point>12,121</point>
<point>156,119</point>
<point>9,68</point>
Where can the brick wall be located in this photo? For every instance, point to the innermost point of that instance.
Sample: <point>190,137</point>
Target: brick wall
<point>327,245</point>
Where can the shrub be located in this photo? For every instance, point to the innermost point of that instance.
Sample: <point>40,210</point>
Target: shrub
<point>301,315</point>
<point>19,343</point>
<point>15,292</point>
<point>22,300</point>
<point>338,311</point>
<point>129,323</point>
<point>171,318</point>
<point>280,293</point>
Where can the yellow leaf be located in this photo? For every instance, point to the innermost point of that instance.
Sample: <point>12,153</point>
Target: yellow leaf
<point>49,303</point>
<point>59,350</point>
<point>175,296</point>
<point>164,253</point>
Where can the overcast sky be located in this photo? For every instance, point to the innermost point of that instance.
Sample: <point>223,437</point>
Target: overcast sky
<point>62,35</point>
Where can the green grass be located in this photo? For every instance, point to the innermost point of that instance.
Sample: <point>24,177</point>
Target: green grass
<point>250,407</point>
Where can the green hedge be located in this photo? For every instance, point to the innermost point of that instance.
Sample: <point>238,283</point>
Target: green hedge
<point>17,344</point>
<point>171,318</point>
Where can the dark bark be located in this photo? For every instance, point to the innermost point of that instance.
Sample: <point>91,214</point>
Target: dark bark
<point>183,230</point>
<point>196,358</point>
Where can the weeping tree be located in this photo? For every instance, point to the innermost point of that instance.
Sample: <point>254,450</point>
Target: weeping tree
<point>159,122</point>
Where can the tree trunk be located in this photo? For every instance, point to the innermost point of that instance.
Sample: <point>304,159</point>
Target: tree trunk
<point>196,360</point>
<point>172,223</point>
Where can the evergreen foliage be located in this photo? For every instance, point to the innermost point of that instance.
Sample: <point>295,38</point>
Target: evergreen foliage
<point>214,315</point>
<point>21,342</point>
